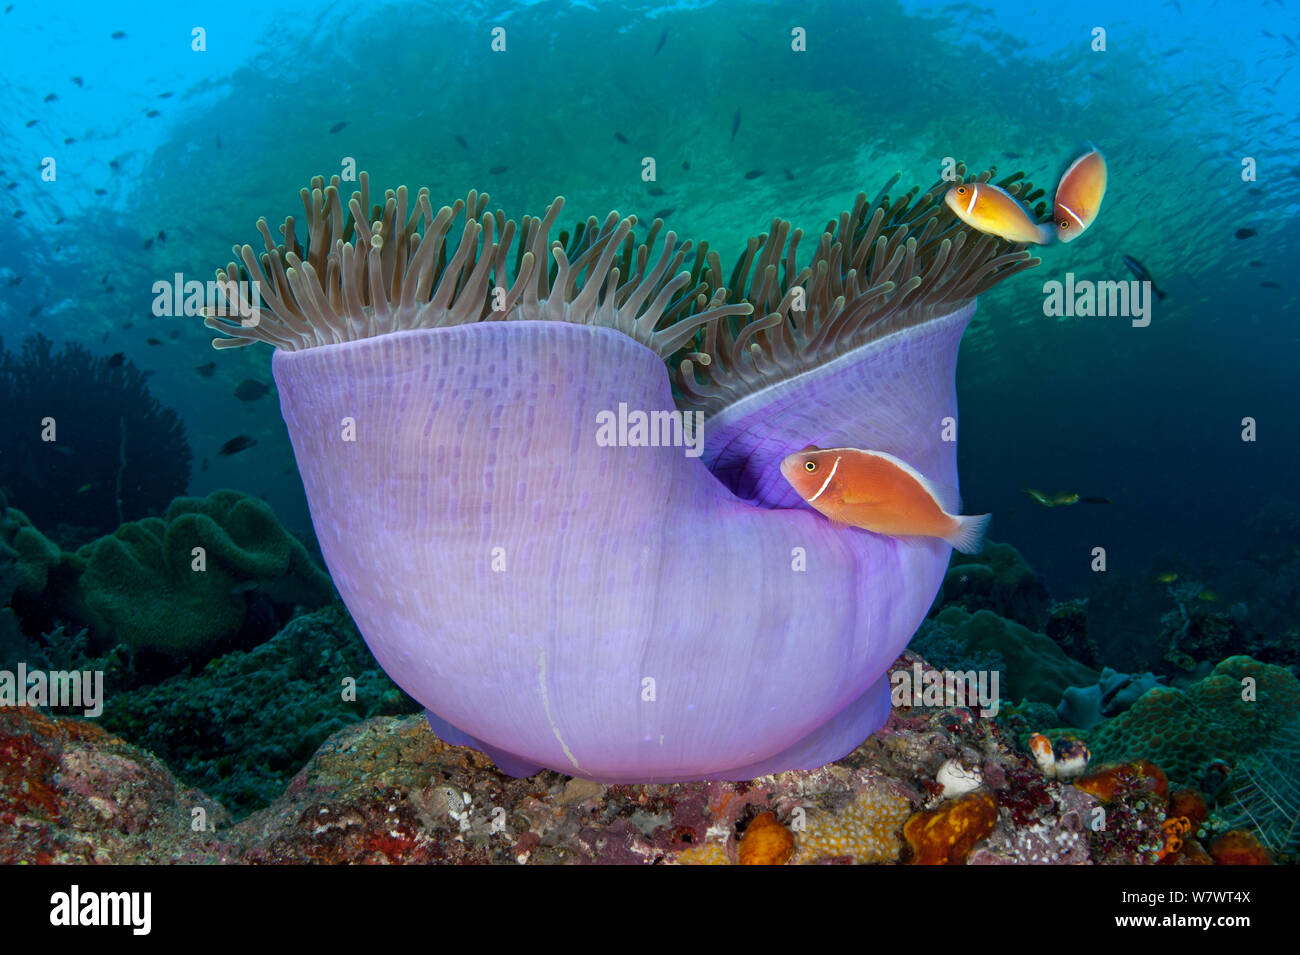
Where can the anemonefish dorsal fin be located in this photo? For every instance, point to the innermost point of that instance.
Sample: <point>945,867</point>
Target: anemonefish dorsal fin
<point>811,447</point>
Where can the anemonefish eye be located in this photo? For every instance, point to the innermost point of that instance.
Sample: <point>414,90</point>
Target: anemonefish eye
<point>810,465</point>
<point>1064,223</point>
<point>961,190</point>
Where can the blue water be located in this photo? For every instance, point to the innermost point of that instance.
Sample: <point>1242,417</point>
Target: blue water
<point>157,137</point>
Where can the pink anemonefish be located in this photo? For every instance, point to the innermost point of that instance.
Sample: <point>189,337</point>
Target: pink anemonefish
<point>879,493</point>
<point>1079,195</point>
<point>986,208</point>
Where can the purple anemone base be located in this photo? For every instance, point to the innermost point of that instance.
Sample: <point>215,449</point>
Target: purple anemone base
<point>624,614</point>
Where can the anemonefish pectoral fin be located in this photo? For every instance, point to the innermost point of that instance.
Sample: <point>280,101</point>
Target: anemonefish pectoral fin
<point>968,538</point>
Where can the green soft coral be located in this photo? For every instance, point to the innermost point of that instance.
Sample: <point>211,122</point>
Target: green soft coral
<point>26,555</point>
<point>150,588</point>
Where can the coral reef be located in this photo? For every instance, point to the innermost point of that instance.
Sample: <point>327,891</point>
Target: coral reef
<point>1067,625</point>
<point>1036,668</point>
<point>241,727</point>
<point>1263,793</point>
<point>1113,693</point>
<point>387,790</point>
<point>182,585</point>
<point>998,579</point>
<point>1185,730</point>
<point>86,445</point>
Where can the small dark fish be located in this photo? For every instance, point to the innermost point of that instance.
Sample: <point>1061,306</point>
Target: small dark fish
<point>654,191</point>
<point>460,141</point>
<point>208,370</point>
<point>115,360</point>
<point>148,243</point>
<point>686,164</point>
<point>69,141</point>
<point>32,122</point>
<point>13,185</point>
<point>251,389</point>
<point>663,38</point>
<point>101,192</point>
<point>747,36</point>
<point>664,213</point>
<point>1270,284</point>
<point>152,341</point>
<point>621,138</point>
<point>113,164</point>
<point>337,127</point>
<point>241,443</point>
<point>8,8</point>
<point>735,124</point>
<point>789,176</point>
<point>1140,270</point>
<point>119,35</point>
<point>59,220</point>
<point>753,174</point>
<point>75,79</point>
<point>104,280</point>
<point>498,170</point>
<point>34,311</point>
<point>162,236</point>
<point>19,214</point>
<point>1174,52</point>
<point>153,114</point>
<point>103,338</point>
<point>1245,233</point>
<point>167,95</point>
<point>51,98</point>
<point>14,280</point>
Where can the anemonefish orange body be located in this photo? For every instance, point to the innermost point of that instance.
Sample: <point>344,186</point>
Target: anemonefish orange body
<point>879,493</point>
<point>983,206</point>
<point>1079,195</point>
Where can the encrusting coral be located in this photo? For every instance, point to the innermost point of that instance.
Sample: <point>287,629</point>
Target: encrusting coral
<point>441,375</point>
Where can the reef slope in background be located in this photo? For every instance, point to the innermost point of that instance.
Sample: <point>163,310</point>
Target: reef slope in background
<point>388,791</point>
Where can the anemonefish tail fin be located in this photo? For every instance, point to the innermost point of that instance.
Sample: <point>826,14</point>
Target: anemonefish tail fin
<point>1046,233</point>
<point>969,535</point>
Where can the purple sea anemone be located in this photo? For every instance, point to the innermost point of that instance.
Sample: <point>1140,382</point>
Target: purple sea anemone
<point>618,611</point>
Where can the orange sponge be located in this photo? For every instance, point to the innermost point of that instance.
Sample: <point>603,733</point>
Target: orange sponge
<point>765,842</point>
<point>946,834</point>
